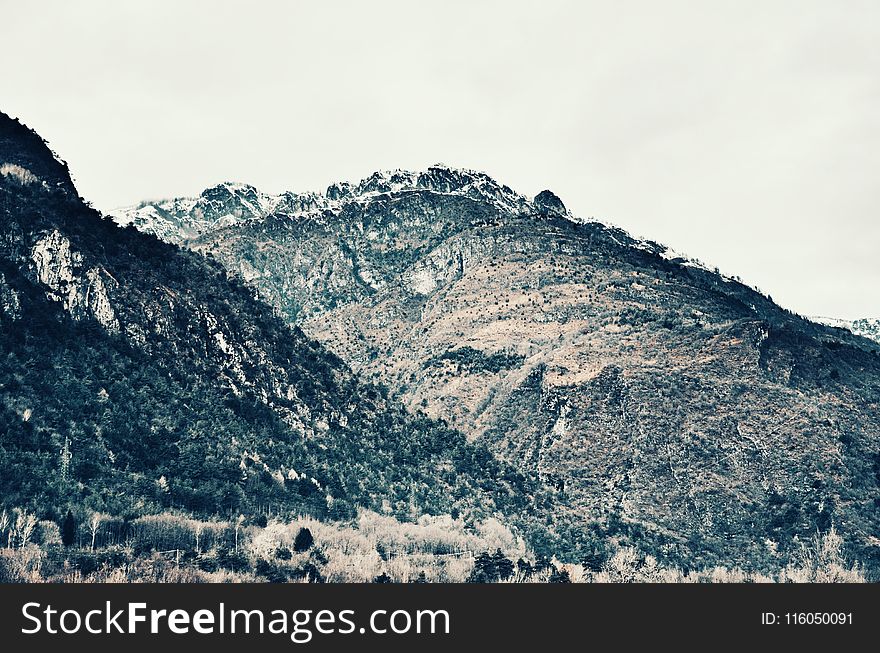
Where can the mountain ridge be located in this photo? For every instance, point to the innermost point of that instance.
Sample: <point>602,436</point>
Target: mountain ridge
<point>611,393</point>
<point>228,202</point>
<point>628,378</point>
<point>865,327</point>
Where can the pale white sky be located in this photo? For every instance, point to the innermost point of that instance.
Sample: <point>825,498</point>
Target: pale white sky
<point>744,133</point>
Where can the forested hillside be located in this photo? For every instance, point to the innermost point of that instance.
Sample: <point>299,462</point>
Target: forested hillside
<point>137,378</point>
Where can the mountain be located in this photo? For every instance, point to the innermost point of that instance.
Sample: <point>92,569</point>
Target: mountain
<point>864,327</point>
<point>657,400</point>
<point>137,378</point>
<point>223,204</point>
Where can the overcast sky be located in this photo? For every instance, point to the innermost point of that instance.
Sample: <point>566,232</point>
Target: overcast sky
<point>743,133</point>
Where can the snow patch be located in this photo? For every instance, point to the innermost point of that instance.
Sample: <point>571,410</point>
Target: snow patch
<point>865,327</point>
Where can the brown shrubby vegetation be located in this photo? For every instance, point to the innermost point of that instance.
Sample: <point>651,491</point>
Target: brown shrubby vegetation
<point>822,560</point>
<point>173,548</point>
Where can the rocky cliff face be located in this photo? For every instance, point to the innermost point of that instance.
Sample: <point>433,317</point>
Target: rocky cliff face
<point>82,292</point>
<point>655,398</point>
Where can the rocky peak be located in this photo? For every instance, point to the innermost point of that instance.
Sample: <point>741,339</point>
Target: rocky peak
<point>338,190</point>
<point>228,190</point>
<point>548,203</point>
<point>290,202</point>
<point>228,203</point>
<point>438,178</point>
<point>442,178</point>
<point>113,319</point>
<point>231,200</point>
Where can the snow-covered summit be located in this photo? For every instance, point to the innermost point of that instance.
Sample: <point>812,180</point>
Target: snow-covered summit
<point>180,218</point>
<point>228,203</point>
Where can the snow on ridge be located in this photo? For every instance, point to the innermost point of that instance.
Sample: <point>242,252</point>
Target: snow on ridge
<point>196,215</point>
<point>829,321</point>
<point>866,327</point>
<point>229,203</point>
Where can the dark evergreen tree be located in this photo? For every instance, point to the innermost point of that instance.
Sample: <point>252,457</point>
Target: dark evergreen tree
<point>303,541</point>
<point>594,560</point>
<point>68,529</point>
<point>382,579</point>
<point>503,565</point>
<point>484,570</point>
<point>559,576</point>
<point>524,569</point>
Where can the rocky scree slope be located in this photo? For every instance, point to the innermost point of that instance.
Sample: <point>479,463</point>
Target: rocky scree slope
<point>661,402</point>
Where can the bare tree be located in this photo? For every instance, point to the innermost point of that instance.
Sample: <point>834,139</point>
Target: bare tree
<point>238,523</point>
<point>23,528</point>
<point>4,524</point>
<point>95,526</point>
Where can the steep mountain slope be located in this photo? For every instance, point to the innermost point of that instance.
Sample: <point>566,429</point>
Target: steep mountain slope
<point>137,377</point>
<point>659,400</point>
